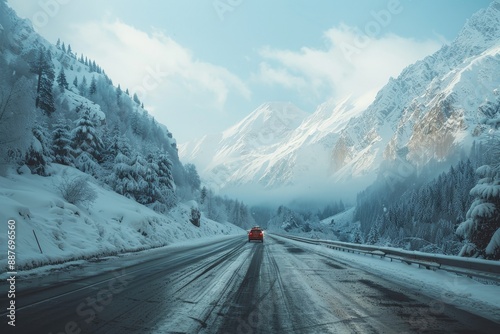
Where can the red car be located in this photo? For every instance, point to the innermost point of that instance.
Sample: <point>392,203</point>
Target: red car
<point>256,233</point>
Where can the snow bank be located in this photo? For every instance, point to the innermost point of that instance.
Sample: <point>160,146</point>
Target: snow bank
<point>444,287</point>
<point>111,225</point>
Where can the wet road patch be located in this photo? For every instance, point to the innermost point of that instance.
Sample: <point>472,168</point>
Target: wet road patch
<point>295,250</point>
<point>333,265</point>
<point>387,293</point>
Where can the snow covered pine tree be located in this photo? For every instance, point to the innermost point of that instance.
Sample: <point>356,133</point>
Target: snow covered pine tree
<point>87,144</point>
<point>481,229</point>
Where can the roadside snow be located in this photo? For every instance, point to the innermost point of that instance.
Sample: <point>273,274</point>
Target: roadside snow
<point>445,287</point>
<point>72,270</point>
<point>111,225</point>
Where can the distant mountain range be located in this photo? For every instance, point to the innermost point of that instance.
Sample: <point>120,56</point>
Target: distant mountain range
<point>431,111</point>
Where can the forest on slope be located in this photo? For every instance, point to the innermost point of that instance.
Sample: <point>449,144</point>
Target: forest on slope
<point>59,107</point>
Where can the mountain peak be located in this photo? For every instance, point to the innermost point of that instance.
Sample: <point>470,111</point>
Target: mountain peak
<point>270,117</point>
<point>277,109</point>
<point>482,30</point>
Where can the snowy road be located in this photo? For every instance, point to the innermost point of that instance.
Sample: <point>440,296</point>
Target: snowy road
<point>232,286</point>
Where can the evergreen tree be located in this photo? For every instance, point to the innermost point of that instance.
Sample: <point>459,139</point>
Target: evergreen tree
<point>164,163</point>
<point>87,164</point>
<point>192,177</point>
<point>214,208</point>
<point>375,232</point>
<point>63,48</point>
<point>39,155</point>
<point>58,43</point>
<point>166,182</point>
<point>235,212</point>
<point>137,179</point>
<point>85,137</point>
<point>83,87</point>
<point>118,92</point>
<point>147,181</point>
<point>75,82</point>
<point>61,144</point>
<point>136,99</point>
<point>43,67</point>
<point>119,144</point>
<point>35,160</point>
<point>138,186</point>
<point>203,194</point>
<point>93,86</point>
<point>61,80</point>
<point>481,229</point>
<point>87,145</point>
<point>121,174</point>
<point>151,193</point>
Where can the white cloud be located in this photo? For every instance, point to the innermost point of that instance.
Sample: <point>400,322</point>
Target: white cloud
<point>351,63</point>
<point>280,76</point>
<point>187,94</point>
<point>152,64</point>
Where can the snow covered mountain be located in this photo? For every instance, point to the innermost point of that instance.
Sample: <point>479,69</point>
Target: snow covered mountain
<point>239,154</point>
<point>433,109</point>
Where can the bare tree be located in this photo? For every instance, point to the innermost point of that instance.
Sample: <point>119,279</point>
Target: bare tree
<point>77,190</point>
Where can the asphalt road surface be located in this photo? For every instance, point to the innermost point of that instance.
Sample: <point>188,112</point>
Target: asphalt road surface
<point>232,286</point>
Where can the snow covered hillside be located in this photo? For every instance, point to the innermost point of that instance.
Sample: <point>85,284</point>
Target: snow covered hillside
<point>83,167</point>
<point>431,111</point>
<point>109,225</point>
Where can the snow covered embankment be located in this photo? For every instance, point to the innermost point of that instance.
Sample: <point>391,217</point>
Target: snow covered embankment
<point>111,224</point>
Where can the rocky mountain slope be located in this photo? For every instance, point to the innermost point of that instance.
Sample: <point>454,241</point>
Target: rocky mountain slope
<point>431,111</point>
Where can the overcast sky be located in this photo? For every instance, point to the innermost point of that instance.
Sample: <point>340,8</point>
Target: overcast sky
<point>199,66</point>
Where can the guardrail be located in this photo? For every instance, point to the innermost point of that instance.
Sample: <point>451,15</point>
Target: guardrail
<point>471,267</point>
